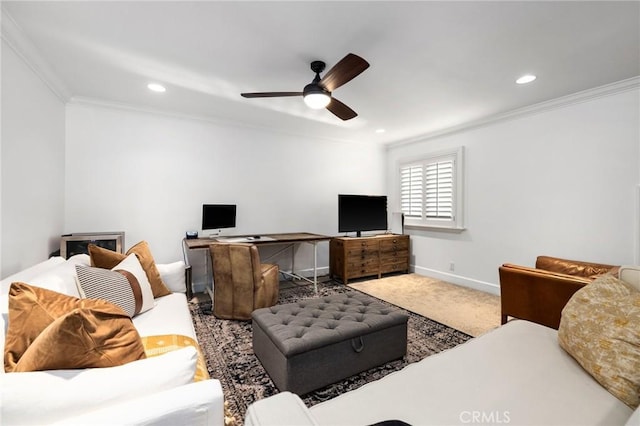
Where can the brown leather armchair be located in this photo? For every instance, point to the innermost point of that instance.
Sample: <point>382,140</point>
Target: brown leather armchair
<point>241,283</point>
<point>539,294</point>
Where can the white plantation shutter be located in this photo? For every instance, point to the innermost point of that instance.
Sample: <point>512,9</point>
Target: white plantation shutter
<point>411,189</point>
<point>431,190</point>
<point>439,190</point>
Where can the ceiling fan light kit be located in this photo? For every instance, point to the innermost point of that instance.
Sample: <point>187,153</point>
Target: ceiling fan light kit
<point>317,94</point>
<point>316,98</point>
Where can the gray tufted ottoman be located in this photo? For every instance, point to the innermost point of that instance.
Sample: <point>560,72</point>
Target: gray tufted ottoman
<point>310,344</point>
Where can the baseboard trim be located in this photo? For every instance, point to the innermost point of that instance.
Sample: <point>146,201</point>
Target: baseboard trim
<point>458,280</point>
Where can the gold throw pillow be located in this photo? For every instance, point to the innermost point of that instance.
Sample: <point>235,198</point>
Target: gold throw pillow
<point>600,328</point>
<point>105,258</point>
<point>31,310</point>
<point>101,336</point>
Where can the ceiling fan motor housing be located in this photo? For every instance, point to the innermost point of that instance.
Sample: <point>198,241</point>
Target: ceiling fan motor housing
<point>317,66</point>
<point>315,88</point>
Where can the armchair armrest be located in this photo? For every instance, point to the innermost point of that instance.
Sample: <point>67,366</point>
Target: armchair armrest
<point>535,294</point>
<point>573,267</point>
<point>284,408</point>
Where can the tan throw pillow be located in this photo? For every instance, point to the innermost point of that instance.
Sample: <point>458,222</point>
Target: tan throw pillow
<point>126,285</point>
<point>600,328</point>
<point>100,336</point>
<point>149,265</point>
<point>104,258</point>
<point>31,310</point>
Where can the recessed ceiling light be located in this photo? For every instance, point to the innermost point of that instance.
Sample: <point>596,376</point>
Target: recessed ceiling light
<point>156,87</point>
<point>380,130</point>
<point>528,78</point>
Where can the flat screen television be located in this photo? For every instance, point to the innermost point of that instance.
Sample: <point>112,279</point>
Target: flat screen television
<point>217,216</point>
<point>358,213</point>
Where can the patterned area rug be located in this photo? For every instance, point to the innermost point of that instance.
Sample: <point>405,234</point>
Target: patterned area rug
<point>228,349</point>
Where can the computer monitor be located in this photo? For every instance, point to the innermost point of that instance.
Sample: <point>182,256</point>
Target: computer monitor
<point>218,216</point>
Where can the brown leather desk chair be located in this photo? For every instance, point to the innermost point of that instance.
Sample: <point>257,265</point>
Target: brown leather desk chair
<point>241,283</point>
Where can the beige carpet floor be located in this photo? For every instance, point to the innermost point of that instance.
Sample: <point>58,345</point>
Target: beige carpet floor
<point>471,311</point>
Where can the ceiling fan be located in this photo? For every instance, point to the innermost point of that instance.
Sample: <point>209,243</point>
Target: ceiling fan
<point>317,94</point>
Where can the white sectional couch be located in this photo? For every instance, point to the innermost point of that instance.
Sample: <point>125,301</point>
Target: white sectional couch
<point>517,374</point>
<point>153,391</point>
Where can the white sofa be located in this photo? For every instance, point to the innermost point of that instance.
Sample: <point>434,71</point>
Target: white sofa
<point>517,374</point>
<point>153,391</point>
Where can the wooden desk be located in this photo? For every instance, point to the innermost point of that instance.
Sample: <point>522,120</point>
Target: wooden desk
<point>265,239</point>
<point>288,240</point>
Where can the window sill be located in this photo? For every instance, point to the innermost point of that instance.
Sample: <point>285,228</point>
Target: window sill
<point>451,229</point>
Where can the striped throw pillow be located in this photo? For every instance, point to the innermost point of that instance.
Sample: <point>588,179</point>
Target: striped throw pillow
<point>126,285</point>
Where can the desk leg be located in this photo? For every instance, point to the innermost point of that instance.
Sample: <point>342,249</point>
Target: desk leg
<point>292,274</point>
<point>293,262</point>
<point>208,271</point>
<point>315,266</point>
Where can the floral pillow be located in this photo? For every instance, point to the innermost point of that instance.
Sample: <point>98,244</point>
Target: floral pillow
<point>600,328</point>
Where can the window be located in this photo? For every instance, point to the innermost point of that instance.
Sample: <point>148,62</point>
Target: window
<point>431,190</point>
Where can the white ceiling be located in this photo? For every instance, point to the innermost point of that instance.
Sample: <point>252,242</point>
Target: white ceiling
<point>434,65</point>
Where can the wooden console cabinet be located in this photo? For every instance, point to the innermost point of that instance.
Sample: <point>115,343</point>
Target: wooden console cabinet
<point>353,257</point>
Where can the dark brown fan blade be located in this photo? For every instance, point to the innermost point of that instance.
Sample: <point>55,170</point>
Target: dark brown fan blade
<point>270,94</point>
<point>340,110</point>
<point>342,72</point>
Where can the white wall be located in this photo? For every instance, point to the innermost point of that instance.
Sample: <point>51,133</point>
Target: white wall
<point>148,175</point>
<point>32,157</point>
<point>561,182</point>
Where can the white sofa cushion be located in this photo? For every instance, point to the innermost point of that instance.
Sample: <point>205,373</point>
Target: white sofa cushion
<point>517,371</point>
<point>170,315</point>
<point>43,397</point>
<point>173,276</point>
<point>199,403</point>
<point>62,277</point>
<point>33,271</point>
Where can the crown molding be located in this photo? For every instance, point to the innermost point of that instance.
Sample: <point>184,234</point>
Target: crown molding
<point>575,98</point>
<point>101,103</point>
<point>15,38</point>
